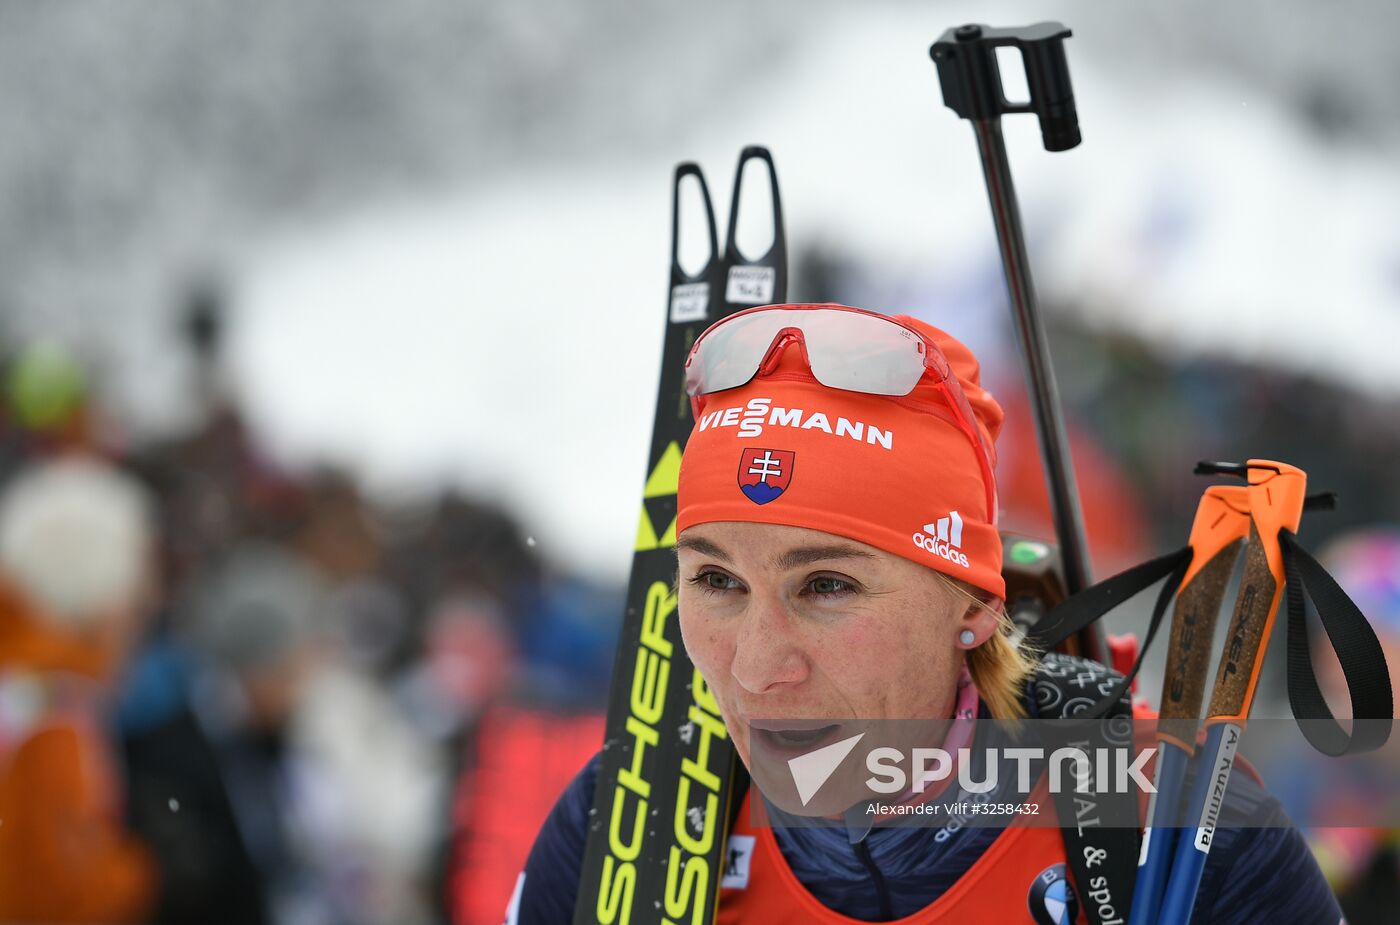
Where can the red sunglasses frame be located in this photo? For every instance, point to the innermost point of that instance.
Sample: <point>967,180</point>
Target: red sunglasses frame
<point>950,390</point>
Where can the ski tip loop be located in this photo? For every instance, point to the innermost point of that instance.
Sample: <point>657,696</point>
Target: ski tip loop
<point>777,250</point>
<point>683,170</point>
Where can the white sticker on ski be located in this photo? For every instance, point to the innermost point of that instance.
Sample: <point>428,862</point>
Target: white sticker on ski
<point>750,285</point>
<point>689,302</point>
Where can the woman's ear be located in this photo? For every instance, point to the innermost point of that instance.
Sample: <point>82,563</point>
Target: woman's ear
<point>982,619</point>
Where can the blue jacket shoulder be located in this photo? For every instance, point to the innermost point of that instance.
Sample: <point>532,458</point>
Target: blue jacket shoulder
<point>549,883</point>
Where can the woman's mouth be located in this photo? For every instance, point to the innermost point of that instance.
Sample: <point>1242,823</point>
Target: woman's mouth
<point>794,739</point>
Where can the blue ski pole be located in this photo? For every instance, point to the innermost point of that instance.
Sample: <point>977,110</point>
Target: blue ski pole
<point>1220,531</point>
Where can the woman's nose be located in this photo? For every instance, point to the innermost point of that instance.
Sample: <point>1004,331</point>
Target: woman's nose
<point>767,650</point>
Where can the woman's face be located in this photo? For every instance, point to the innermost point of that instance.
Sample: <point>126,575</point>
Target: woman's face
<point>791,624</point>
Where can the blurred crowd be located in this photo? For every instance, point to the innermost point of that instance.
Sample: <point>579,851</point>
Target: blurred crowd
<point>230,693</point>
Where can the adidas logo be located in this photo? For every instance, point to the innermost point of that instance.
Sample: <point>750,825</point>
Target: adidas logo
<point>943,538</point>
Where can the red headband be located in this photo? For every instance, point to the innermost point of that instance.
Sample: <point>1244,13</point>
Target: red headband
<point>895,473</point>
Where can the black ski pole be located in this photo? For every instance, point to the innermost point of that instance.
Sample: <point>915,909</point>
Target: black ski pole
<point>1102,861</point>
<point>971,81</point>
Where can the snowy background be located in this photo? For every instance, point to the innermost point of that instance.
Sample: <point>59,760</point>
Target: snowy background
<point>444,225</point>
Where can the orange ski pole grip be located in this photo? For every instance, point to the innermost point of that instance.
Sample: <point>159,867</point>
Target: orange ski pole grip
<point>1276,494</point>
<point>1218,534</point>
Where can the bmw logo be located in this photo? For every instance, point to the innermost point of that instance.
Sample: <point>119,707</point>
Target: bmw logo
<point>1051,899</point>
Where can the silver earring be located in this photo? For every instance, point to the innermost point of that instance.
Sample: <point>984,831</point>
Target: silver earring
<point>967,637</point>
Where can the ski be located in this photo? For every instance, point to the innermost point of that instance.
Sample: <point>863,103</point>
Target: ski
<point>662,807</point>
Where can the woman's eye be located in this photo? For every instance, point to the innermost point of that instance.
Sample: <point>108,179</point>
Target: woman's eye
<point>827,586</point>
<point>711,581</point>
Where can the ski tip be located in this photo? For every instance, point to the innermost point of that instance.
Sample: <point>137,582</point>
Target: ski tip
<point>688,169</point>
<point>777,250</point>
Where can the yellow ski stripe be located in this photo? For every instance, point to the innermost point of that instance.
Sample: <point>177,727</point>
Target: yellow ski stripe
<point>666,476</point>
<point>646,533</point>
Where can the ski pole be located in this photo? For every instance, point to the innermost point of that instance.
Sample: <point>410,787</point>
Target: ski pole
<point>1219,532</point>
<point>971,82</point>
<point>1276,496</point>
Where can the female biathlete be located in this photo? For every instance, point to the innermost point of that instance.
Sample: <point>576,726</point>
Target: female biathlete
<point>839,559</point>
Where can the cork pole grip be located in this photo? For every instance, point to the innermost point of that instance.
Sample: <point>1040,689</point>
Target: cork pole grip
<point>1188,651</point>
<point>1244,641</point>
